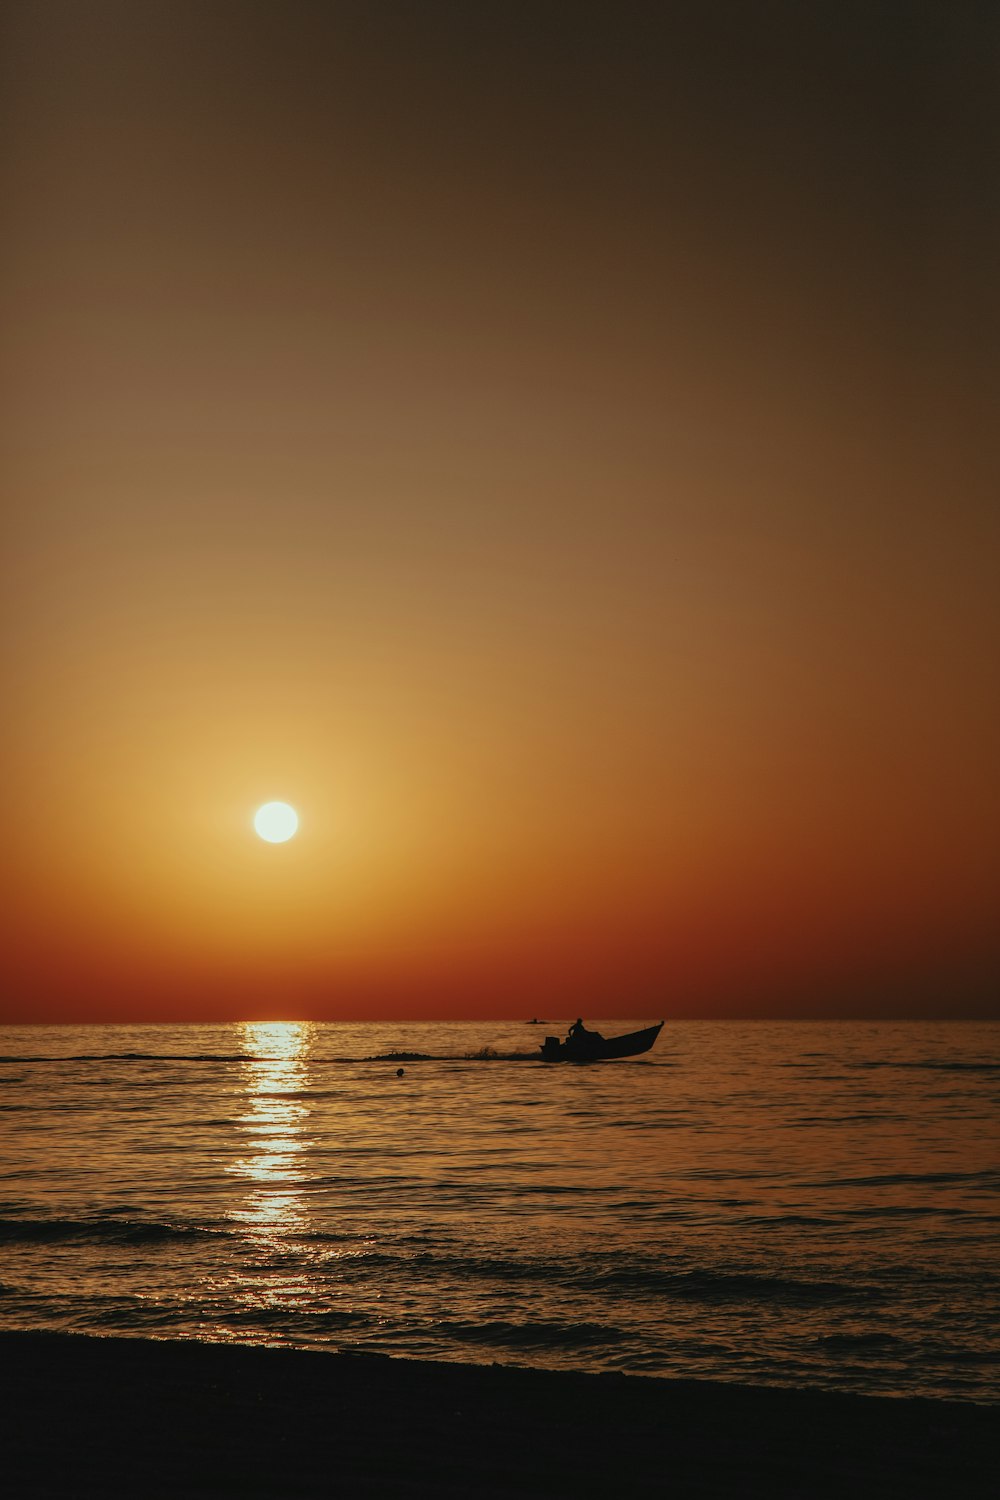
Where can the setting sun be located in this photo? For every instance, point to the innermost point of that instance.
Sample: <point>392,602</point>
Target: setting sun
<point>276,822</point>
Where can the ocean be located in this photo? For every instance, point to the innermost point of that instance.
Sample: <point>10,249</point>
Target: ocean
<point>791,1204</point>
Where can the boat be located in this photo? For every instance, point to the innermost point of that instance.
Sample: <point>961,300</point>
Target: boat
<point>592,1047</point>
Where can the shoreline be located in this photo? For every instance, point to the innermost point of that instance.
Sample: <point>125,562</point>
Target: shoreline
<point>89,1415</point>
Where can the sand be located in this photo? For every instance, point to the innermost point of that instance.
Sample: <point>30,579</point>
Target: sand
<point>88,1416</point>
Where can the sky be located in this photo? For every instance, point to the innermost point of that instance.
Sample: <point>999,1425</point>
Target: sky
<point>547,444</point>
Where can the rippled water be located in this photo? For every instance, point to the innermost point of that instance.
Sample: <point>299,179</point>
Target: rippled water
<point>804,1204</point>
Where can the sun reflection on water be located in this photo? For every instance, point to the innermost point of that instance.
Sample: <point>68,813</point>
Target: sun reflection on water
<point>274,1123</point>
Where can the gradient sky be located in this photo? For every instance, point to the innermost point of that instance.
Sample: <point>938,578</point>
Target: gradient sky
<point>548,444</point>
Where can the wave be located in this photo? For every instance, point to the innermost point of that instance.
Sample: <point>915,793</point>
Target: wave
<point>195,1057</point>
<point>642,1280</point>
<point>928,1065</point>
<point>531,1335</point>
<point>259,1058</point>
<point>988,1177</point>
<point>859,1341</point>
<point>733,1286</point>
<point>98,1231</point>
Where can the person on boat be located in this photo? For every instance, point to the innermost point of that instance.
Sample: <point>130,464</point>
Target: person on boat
<point>579,1033</point>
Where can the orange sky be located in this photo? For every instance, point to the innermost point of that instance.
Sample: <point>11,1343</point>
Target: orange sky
<point>550,448</point>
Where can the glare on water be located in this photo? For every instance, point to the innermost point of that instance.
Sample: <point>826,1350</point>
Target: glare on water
<point>273,1121</point>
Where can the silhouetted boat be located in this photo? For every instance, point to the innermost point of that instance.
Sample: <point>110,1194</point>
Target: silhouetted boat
<point>592,1047</point>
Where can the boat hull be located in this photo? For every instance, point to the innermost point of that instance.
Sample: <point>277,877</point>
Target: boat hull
<point>593,1048</point>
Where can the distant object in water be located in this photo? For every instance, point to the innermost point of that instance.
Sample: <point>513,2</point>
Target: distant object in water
<point>582,1045</point>
<point>536,1022</point>
<point>400,1072</point>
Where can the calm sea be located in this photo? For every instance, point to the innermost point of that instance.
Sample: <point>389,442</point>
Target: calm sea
<point>793,1204</point>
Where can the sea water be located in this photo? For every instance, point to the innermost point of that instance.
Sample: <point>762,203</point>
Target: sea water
<point>791,1204</point>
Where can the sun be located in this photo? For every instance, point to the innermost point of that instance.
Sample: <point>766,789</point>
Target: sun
<point>276,822</point>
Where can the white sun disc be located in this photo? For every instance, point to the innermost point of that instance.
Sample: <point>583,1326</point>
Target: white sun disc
<point>276,822</point>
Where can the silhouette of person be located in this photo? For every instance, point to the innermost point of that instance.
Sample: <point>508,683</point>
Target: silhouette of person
<point>580,1039</point>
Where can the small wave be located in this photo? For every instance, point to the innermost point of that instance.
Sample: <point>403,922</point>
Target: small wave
<point>741,1286</point>
<point>195,1057</point>
<point>928,1065</point>
<point>487,1055</point>
<point>174,1057</point>
<point>96,1231</point>
<point>987,1178</point>
<point>295,1324</point>
<point>636,1279</point>
<point>908,1211</point>
<point>859,1341</point>
<point>532,1335</point>
<point>400,1057</point>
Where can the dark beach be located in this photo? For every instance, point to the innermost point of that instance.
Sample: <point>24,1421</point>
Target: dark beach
<point>112,1417</point>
